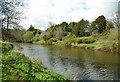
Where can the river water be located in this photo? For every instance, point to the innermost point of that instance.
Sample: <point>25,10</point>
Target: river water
<point>75,63</point>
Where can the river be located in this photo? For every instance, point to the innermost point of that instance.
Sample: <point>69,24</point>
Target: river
<point>75,63</point>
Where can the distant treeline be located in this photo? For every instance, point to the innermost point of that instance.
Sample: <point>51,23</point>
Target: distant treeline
<point>77,29</point>
<point>59,31</point>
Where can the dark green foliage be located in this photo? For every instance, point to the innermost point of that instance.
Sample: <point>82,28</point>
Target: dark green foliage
<point>85,40</point>
<point>75,30</point>
<point>79,28</point>
<point>6,47</point>
<point>37,31</point>
<point>65,27</point>
<point>31,28</point>
<point>99,25</point>
<point>71,25</point>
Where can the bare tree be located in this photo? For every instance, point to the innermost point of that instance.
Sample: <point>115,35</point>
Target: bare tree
<point>11,13</point>
<point>116,19</point>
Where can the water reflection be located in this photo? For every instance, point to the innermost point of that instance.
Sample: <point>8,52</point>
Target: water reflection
<point>75,63</point>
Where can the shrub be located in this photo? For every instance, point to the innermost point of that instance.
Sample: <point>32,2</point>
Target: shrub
<point>36,38</point>
<point>6,47</point>
<point>78,41</point>
<point>51,40</point>
<point>82,40</point>
<point>28,36</point>
<point>87,40</point>
<point>67,42</point>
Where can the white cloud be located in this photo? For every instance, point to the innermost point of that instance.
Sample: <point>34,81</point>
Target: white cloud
<point>41,12</point>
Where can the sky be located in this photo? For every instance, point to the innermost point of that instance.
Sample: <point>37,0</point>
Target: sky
<point>41,12</point>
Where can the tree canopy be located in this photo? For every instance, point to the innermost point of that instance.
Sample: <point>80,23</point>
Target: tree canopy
<point>99,25</point>
<point>31,28</point>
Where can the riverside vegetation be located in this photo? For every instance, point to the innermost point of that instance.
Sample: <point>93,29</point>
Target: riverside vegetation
<point>15,66</point>
<point>101,34</point>
<point>97,35</point>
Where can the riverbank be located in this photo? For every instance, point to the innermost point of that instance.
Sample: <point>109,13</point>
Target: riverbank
<point>107,41</point>
<point>15,66</point>
<point>101,46</point>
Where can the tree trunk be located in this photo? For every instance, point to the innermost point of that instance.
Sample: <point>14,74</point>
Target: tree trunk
<point>7,22</point>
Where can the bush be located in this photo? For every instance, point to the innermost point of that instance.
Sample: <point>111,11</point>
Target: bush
<point>28,36</point>
<point>67,42</point>
<point>6,47</point>
<point>78,41</point>
<point>85,40</point>
<point>51,40</point>
<point>91,40</point>
<point>36,38</point>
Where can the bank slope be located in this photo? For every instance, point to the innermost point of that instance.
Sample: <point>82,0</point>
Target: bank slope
<point>15,66</point>
<point>106,41</point>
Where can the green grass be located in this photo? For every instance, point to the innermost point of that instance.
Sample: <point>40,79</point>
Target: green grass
<point>15,66</point>
<point>6,47</point>
<point>79,40</point>
<point>110,35</point>
<point>106,41</point>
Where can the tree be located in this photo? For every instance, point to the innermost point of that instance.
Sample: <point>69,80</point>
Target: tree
<point>11,12</point>
<point>28,36</point>
<point>99,25</point>
<point>71,25</point>
<point>37,31</point>
<point>79,28</point>
<point>75,30</point>
<point>31,28</point>
<point>45,37</point>
<point>92,28</point>
<point>65,27</point>
<point>116,19</point>
<point>58,33</point>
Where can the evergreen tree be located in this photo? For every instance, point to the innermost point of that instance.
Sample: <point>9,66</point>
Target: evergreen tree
<point>31,28</point>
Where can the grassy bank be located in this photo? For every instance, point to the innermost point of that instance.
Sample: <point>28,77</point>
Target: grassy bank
<point>15,66</point>
<point>106,41</point>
